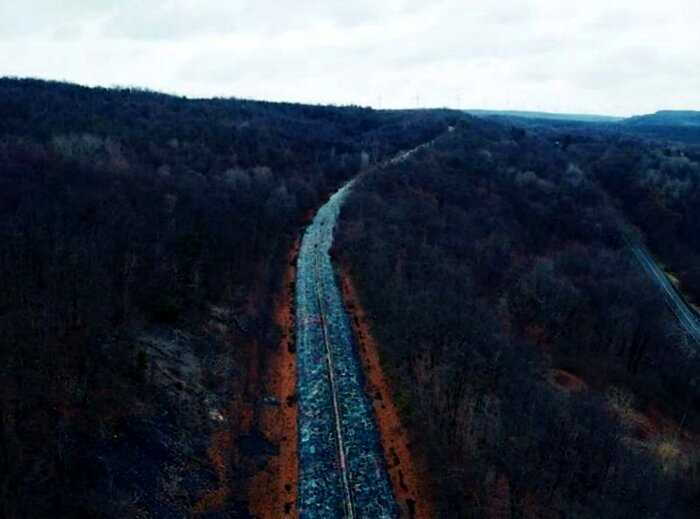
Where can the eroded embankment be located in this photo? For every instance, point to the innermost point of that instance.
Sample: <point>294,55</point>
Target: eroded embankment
<point>408,475</point>
<point>273,490</point>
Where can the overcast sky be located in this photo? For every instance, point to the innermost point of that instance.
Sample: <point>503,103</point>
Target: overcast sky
<point>595,56</point>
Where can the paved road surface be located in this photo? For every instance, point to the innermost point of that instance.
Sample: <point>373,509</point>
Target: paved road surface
<point>685,315</point>
<point>342,467</point>
<point>342,472</point>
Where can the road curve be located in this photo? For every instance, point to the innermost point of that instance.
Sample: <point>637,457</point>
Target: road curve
<point>685,315</point>
<point>342,470</point>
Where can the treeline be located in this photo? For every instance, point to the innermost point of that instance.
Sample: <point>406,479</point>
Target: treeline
<point>495,271</point>
<point>120,208</point>
<point>658,187</point>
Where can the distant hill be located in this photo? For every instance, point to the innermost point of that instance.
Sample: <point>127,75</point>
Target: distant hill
<point>666,118</point>
<point>545,116</point>
<point>662,126</point>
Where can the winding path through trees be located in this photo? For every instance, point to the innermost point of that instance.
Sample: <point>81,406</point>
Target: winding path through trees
<point>342,471</point>
<point>685,315</point>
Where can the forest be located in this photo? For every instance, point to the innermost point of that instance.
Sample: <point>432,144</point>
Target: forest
<point>537,366</point>
<point>144,236</point>
<point>145,240</point>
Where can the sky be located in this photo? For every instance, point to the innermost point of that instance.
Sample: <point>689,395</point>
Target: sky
<point>616,57</point>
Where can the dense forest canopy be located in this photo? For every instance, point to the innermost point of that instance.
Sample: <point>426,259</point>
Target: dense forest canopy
<point>495,263</point>
<point>121,210</point>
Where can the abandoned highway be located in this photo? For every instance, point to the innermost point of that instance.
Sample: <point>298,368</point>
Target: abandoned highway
<point>341,464</point>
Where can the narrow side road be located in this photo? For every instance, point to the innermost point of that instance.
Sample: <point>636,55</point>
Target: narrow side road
<point>685,315</point>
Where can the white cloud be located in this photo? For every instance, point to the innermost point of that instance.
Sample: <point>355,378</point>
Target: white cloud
<point>596,56</point>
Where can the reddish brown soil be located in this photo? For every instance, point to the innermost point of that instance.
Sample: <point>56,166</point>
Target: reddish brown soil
<point>273,490</point>
<point>219,453</point>
<point>408,475</point>
<point>567,380</point>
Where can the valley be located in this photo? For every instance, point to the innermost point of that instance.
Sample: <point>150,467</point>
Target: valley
<point>233,308</point>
